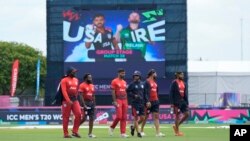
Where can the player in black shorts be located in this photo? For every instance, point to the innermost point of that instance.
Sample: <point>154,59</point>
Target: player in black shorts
<point>151,90</point>
<point>179,101</point>
<point>87,101</point>
<point>136,91</point>
<point>103,38</point>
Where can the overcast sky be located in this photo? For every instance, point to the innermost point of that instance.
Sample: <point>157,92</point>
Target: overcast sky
<point>214,27</point>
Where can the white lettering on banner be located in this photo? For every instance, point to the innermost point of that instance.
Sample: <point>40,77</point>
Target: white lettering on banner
<point>102,86</point>
<point>29,117</point>
<point>14,80</point>
<point>66,29</point>
<point>98,38</point>
<point>12,117</point>
<point>102,117</point>
<point>35,117</point>
<point>90,34</point>
<point>57,117</point>
<point>45,117</point>
<point>153,32</point>
<point>133,36</point>
<point>138,35</point>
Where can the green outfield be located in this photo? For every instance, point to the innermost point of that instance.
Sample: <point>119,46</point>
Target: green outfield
<point>193,132</point>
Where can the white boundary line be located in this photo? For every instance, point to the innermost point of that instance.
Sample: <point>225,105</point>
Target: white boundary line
<point>102,127</point>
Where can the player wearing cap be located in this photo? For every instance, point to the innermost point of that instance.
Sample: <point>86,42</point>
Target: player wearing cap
<point>119,96</point>
<point>179,101</point>
<point>136,91</point>
<point>87,101</point>
<point>69,86</point>
<point>151,90</point>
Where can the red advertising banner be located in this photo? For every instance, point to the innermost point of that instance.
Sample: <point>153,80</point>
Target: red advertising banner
<point>14,77</point>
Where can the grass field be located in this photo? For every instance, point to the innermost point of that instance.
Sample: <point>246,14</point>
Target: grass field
<point>193,132</point>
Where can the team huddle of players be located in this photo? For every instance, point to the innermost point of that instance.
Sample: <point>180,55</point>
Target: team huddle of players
<point>81,101</point>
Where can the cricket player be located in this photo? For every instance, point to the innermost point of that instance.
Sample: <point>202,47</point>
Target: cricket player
<point>151,90</point>
<point>69,86</point>
<point>87,98</point>
<point>136,91</point>
<point>119,96</point>
<point>179,101</point>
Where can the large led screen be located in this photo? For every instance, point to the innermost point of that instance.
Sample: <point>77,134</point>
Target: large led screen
<point>101,41</point>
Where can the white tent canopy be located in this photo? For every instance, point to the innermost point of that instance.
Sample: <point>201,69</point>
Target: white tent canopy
<point>219,66</point>
<point>208,80</point>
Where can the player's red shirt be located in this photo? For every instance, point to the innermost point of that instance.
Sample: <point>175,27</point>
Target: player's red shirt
<point>119,85</point>
<point>69,87</point>
<point>181,86</point>
<point>153,96</point>
<point>87,90</point>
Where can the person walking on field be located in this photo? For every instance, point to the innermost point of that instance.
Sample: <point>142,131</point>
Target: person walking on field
<point>69,87</point>
<point>136,91</point>
<point>119,96</point>
<point>179,101</point>
<point>151,90</point>
<point>87,101</point>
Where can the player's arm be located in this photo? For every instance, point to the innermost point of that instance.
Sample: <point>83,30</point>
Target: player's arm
<point>157,90</point>
<point>117,36</point>
<point>114,41</point>
<point>130,91</point>
<point>147,93</point>
<point>186,94</point>
<point>114,97</point>
<point>81,99</point>
<point>118,32</point>
<point>94,100</point>
<point>89,29</point>
<point>113,86</point>
<point>115,44</point>
<point>64,91</point>
<point>171,93</point>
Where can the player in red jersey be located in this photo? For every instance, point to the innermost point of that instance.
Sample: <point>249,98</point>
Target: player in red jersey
<point>179,101</point>
<point>151,90</point>
<point>69,86</point>
<point>87,100</point>
<point>119,95</point>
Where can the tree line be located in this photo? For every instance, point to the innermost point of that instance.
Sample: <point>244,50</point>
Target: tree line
<point>28,57</point>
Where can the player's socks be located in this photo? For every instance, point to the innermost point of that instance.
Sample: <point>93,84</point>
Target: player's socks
<point>132,130</point>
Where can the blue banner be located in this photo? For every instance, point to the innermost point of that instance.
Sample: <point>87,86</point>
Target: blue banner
<point>37,78</point>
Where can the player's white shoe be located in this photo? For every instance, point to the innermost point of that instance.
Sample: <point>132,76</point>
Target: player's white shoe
<point>92,136</point>
<point>111,131</point>
<point>160,135</point>
<point>124,135</point>
<point>143,134</point>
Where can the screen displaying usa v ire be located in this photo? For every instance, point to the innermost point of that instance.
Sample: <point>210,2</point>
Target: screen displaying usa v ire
<point>109,39</point>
